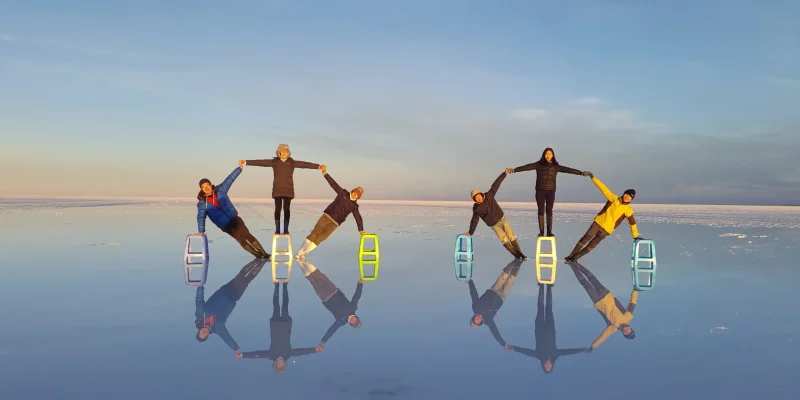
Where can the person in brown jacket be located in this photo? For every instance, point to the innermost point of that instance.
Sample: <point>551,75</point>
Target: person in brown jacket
<point>345,203</point>
<point>487,209</point>
<point>283,166</point>
<point>547,168</point>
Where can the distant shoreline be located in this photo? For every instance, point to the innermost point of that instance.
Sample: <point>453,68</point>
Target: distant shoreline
<point>386,202</point>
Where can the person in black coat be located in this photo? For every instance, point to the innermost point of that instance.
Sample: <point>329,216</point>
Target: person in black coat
<point>283,166</point>
<point>547,168</point>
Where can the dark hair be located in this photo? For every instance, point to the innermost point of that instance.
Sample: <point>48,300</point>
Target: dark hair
<point>471,320</point>
<point>542,160</point>
<point>552,366</point>
<point>199,339</point>
<point>632,334</point>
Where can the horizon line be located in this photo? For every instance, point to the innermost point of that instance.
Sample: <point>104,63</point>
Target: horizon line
<point>270,200</point>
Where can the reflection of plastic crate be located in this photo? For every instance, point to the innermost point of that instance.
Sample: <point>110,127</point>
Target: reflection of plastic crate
<point>465,254</point>
<point>463,269</point>
<point>540,264</point>
<point>193,260</point>
<point>375,252</point>
<point>190,268</point>
<point>649,259</point>
<point>362,264</point>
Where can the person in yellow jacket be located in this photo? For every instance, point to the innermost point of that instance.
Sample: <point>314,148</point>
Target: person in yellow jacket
<point>617,318</point>
<point>607,220</point>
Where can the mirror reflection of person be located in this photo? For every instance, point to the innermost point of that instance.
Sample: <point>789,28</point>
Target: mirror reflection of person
<point>280,330</point>
<point>617,317</point>
<point>343,310</point>
<point>212,315</point>
<point>486,306</point>
<point>545,330</point>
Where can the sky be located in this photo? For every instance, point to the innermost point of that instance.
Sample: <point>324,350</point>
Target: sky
<point>685,101</point>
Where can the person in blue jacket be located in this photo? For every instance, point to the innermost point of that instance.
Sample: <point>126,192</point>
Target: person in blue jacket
<point>211,316</point>
<point>213,202</point>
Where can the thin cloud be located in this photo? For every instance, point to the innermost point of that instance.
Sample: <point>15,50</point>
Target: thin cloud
<point>784,82</point>
<point>5,37</point>
<point>588,101</point>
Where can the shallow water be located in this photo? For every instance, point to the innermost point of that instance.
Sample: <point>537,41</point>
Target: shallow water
<point>96,307</point>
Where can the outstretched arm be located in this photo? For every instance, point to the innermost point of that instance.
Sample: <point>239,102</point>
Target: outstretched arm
<point>610,196</point>
<point>632,303</point>
<point>201,219</point>
<point>226,184</point>
<point>610,329</point>
<point>222,331</point>
<point>473,291</point>
<point>302,351</point>
<point>336,325</point>
<point>305,165</point>
<point>632,223</point>
<point>199,303</point>
<point>257,354</point>
<point>260,163</point>
<point>527,167</point>
<point>335,186</point>
<point>495,332</point>
<point>496,183</point>
<point>473,223</point>
<point>357,294</point>
<point>568,170</point>
<point>527,352</point>
<point>569,352</point>
<point>359,220</point>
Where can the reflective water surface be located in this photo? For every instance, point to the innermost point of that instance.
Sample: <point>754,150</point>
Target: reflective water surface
<point>95,306</point>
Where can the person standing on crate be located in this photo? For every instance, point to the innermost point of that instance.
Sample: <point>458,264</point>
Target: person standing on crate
<point>283,166</point>
<point>617,317</point>
<point>487,209</point>
<point>213,202</point>
<point>607,220</point>
<point>547,168</point>
<point>345,203</point>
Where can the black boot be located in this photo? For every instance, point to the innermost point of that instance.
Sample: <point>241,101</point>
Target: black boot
<point>510,248</point>
<point>277,227</point>
<point>550,225</point>
<point>286,226</point>
<point>541,225</point>
<point>577,248</point>
<point>515,244</point>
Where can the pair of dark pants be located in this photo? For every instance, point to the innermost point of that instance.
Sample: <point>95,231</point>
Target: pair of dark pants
<point>238,230</point>
<point>323,286</point>
<point>593,287</point>
<point>286,203</point>
<point>280,312</point>
<point>239,283</point>
<point>594,235</point>
<point>544,313</point>
<point>544,201</point>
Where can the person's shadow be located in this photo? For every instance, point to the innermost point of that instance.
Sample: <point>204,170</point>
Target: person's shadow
<point>280,331</point>
<point>486,307</point>
<point>545,330</point>
<point>212,315</point>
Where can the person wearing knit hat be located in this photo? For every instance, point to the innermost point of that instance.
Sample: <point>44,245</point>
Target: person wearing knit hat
<point>607,220</point>
<point>487,209</point>
<point>486,307</point>
<point>617,317</point>
<point>283,166</point>
<point>345,203</point>
<point>213,202</point>
<point>547,168</point>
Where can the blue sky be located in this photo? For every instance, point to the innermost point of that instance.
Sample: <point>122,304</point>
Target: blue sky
<point>686,101</point>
